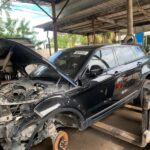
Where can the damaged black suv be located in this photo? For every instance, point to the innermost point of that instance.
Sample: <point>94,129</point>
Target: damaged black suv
<point>74,88</point>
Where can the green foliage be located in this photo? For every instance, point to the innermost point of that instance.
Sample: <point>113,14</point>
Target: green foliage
<point>23,29</point>
<point>12,28</point>
<point>5,5</point>
<point>69,40</point>
<point>107,37</point>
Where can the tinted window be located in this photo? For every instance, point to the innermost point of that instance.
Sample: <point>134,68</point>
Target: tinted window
<point>108,57</point>
<point>138,52</point>
<point>96,60</point>
<point>124,54</point>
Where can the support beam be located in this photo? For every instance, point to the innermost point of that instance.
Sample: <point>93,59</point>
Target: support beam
<point>130,17</point>
<point>54,27</point>
<point>34,2</point>
<point>137,29</point>
<point>88,39</point>
<point>111,22</point>
<point>87,30</point>
<point>124,12</point>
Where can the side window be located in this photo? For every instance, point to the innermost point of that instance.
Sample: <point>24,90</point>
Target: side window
<point>95,60</point>
<point>95,66</point>
<point>138,52</point>
<point>108,57</point>
<point>124,54</point>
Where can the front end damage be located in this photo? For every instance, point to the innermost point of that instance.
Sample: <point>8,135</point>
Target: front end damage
<point>20,91</point>
<point>18,121</point>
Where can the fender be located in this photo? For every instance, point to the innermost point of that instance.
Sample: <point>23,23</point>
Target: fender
<point>57,104</point>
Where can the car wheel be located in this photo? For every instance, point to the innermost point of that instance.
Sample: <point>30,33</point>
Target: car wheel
<point>61,141</point>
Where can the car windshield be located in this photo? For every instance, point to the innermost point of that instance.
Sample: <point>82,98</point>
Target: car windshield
<point>70,61</point>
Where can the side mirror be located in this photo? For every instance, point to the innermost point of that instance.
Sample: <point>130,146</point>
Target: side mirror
<point>96,70</point>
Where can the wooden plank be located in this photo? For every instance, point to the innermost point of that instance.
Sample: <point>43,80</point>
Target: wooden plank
<point>133,107</point>
<point>112,22</point>
<point>116,132</point>
<point>124,12</point>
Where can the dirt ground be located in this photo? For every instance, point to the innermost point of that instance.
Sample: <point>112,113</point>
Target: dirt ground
<point>92,139</point>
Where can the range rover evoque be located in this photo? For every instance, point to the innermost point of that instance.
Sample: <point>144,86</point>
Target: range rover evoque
<point>74,88</point>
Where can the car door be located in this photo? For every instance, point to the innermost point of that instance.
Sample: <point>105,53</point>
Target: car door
<point>128,72</point>
<point>98,90</point>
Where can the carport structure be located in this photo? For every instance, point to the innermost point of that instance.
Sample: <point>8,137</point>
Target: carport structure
<point>98,16</point>
<point>87,17</point>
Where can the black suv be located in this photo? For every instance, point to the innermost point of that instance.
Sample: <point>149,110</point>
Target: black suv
<point>74,88</point>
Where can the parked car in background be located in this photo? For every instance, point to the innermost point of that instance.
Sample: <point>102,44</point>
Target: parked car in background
<point>74,88</point>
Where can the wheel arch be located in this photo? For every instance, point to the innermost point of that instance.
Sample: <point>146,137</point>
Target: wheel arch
<point>69,119</point>
<point>71,114</point>
<point>147,76</point>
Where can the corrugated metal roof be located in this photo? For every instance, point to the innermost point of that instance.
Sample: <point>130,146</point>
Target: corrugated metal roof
<point>81,16</point>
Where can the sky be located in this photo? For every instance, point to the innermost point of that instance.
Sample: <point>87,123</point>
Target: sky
<point>33,14</point>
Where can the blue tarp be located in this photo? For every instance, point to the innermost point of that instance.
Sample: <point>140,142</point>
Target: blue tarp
<point>140,38</point>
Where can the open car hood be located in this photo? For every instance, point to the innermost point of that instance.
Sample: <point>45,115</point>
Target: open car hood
<point>22,56</point>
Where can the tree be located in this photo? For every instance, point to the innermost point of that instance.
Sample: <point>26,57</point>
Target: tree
<point>69,40</point>
<point>13,28</point>
<point>23,29</point>
<point>4,5</point>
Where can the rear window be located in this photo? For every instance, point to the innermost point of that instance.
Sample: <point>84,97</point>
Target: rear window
<point>124,54</point>
<point>138,52</point>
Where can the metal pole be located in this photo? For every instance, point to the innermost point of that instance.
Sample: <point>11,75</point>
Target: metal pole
<point>130,17</point>
<point>54,27</point>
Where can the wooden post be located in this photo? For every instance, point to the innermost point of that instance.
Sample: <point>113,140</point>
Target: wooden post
<point>54,27</point>
<point>93,26</point>
<point>130,17</point>
<point>88,39</point>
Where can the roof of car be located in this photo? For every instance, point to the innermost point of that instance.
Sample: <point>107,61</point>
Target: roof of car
<point>93,47</point>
